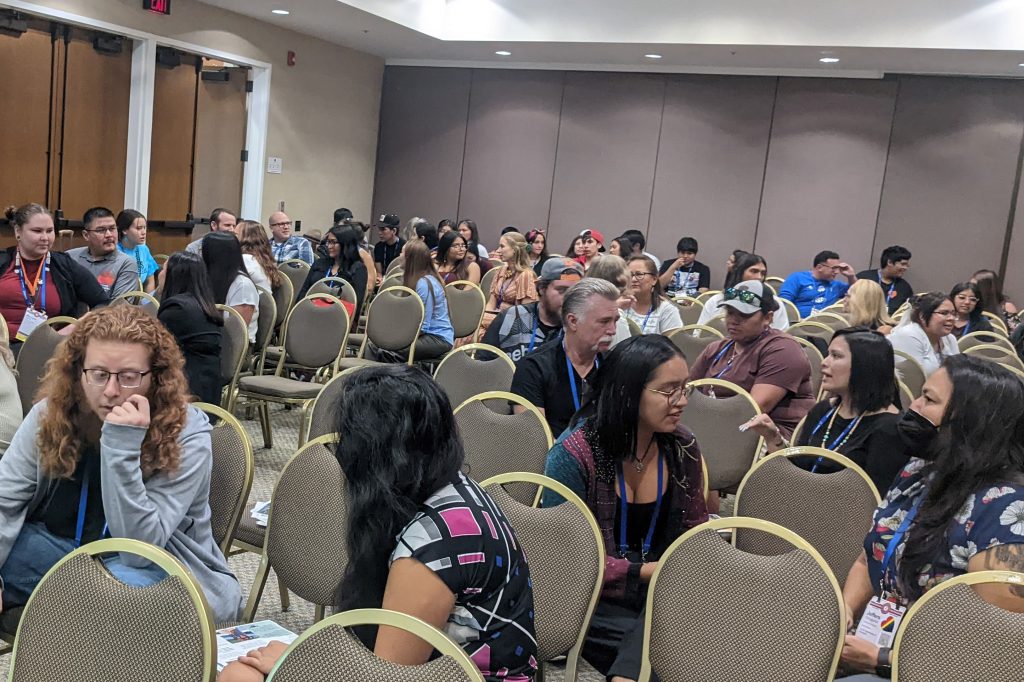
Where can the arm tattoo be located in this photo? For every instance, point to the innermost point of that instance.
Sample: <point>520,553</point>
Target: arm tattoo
<point>1007,558</point>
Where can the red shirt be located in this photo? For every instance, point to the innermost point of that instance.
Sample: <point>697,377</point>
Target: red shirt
<point>12,300</point>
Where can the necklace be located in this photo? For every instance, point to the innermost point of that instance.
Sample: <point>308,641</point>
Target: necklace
<point>844,436</point>
<point>640,462</point>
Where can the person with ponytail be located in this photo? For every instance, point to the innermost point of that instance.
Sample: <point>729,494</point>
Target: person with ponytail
<point>131,241</point>
<point>423,538</point>
<point>957,507</point>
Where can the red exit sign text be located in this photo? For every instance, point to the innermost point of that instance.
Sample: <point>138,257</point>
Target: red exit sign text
<point>157,6</point>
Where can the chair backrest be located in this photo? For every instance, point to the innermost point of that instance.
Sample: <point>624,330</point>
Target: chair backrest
<point>718,324</point>
<point>231,476</point>
<point>563,600</point>
<point>739,638</point>
<point>997,322</point>
<point>296,271</point>
<point>775,280</point>
<point>36,351</point>
<point>951,628</point>
<point>160,258</point>
<point>147,302</point>
<point>715,421</point>
<point>910,372</point>
<point>814,359</point>
<point>462,375</point>
<point>265,323</point>
<point>693,339</point>
<point>995,353</point>
<point>329,645</point>
<point>792,312</point>
<point>395,265</point>
<point>466,303</point>
<point>690,309</point>
<point>502,443</point>
<point>284,299</point>
<point>831,511</point>
<point>323,314</point>
<point>980,338</point>
<point>634,328</point>
<point>234,344</point>
<point>395,279</point>
<point>832,320</point>
<point>321,415</point>
<point>308,521</point>
<point>485,281</point>
<point>156,633</point>
<point>906,395</point>
<point>335,286</point>
<point>705,296</point>
<point>808,329</point>
<point>394,319</point>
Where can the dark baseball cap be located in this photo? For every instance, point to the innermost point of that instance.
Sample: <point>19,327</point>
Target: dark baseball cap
<point>388,220</point>
<point>555,269</point>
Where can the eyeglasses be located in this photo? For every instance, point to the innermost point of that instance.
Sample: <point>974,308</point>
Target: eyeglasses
<point>126,379</point>
<point>330,241</point>
<point>673,397</point>
<point>639,275</point>
<point>946,313</point>
<point>966,299</point>
<point>103,230</point>
<point>743,295</point>
<point>287,223</point>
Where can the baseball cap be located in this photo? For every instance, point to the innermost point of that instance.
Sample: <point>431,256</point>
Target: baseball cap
<point>746,297</point>
<point>389,220</point>
<point>598,237</point>
<point>555,269</point>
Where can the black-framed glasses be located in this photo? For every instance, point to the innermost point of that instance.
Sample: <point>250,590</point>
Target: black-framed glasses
<point>329,242</point>
<point>743,295</point>
<point>287,223</point>
<point>125,379</point>
<point>639,275</point>
<point>103,230</point>
<point>673,397</point>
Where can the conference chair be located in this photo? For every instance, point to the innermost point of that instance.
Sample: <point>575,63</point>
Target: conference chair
<point>305,538</point>
<point>810,331</point>
<point>792,312</point>
<point>983,338</point>
<point>690,309</point>
<point>231,475</point>
<point>393,321</point>
<point>718,324</point>
<point>329,645</point>
<point>462,374</point>
<point>234,343</point>
<point>715,420</point>
<point>61,321</point>
<point>500,443</point>
<point>296,270</point>
<point>775,281</point>
<point>563,600</point>
<point>718,614</point>
<point>703,297</point>
<point>999,354</point>
<point>395,265</point>
<point>832,320</point>
<point>466,303</point>
<point>487,279</point>
<point>82,625</point>
<point>814,359</point>
<point>831,511</point>
<point>36,351</point>
<point>906,395</point>
<point>265,325</point>
<point>284,299</point>
<point>774,291</point>
<point>910,372</point>
<point>396,278</point>
<point>317,352</point>
<point>634,328</point>
<point>161,259</point>
<point>338,287</point>
<point>147,302</point>
<point>693,339</point>
<point>5,332</point>
<point>321,418</point>
<point>997,322</point>
<point>952,632</point>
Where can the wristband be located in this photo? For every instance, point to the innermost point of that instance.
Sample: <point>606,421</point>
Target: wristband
<point>884,666</point>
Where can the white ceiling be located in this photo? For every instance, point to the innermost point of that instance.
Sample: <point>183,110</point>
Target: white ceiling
<point>787,37</point>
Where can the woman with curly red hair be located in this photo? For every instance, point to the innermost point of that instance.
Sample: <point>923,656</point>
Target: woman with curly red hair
<point>112,448</point>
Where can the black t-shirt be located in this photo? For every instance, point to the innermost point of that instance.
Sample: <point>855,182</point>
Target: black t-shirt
<point>543,379</point>
<point>687,280</point>
<point>60,514</point>
<point>896,292</point>
<point>384,253</point>
<point>513,330</point>
<point>874,445</point>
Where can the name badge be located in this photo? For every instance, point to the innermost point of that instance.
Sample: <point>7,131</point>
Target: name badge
<point>880,621</point>
<point>33,318</point>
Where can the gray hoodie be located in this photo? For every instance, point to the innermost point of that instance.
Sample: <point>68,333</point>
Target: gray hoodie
<point>171,511</point>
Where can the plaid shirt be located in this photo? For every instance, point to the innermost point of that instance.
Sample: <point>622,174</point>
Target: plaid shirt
<point>293,247</point>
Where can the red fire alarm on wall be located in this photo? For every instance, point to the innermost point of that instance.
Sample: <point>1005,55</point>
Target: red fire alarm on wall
<point>157,6</point>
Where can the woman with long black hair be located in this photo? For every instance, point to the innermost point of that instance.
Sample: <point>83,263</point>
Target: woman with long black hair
<point>229,279</point>
<point>957,507</point>
<point>629,459</point>
<point>342,260</point>
<point>966,297</point>
<point>452,263</point>
<point>456,563</point>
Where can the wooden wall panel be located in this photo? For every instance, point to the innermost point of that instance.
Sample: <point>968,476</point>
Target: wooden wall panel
<point>171,156</point>
<point>220,139</point>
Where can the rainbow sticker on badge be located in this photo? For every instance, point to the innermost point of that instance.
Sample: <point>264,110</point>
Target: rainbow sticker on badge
<point>888,624</point>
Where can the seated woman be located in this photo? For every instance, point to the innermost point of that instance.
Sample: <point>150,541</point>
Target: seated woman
<point>257,256</point>
<point>648,310</point>
<point>10,399</point>
<point>629,459</point>
<point>515,283</point>
<point>746,268</point>
<point>966,297</point>
<point>451,260</point>
<point>865,306</point>
<point>926,332</point>
<point>114,411</point>
<point>229,279</point>
<point>342,260</point>
<point>190,314</point>
<point>957,507</point>
<point>765,362</point>
<point>993,299</point>
<point>409,507</point>
<point>131,240</point>
<point>538,242</point>
<point>859,418</point>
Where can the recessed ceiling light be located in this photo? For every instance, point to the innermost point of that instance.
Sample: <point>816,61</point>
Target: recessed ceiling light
<point>829,60</point>
<point>282,12</point>
<point>653,56</point>
<point>1020,65</point>
<point>503,53</point>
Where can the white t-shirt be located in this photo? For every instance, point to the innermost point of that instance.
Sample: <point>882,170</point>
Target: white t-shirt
<point>665,318</point>
<point>912,340</point>
<point>780,320</point>
<point>256,272</point>
<point>243,292</point>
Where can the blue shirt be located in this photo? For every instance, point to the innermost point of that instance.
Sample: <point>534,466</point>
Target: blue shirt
<point>435,303</point>
<point>143,258</point>
<point>295,247</point>
<point>807,293</point>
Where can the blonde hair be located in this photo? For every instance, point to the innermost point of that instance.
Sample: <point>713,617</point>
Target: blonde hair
<point>60,439</point>
<point>252,237</point>
<point>521,257</point>
<point>866,306</point>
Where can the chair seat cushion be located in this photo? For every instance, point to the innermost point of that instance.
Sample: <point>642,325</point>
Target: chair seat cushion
<point>249,532</point>
<point>347,363</point>
<point>280,387</point>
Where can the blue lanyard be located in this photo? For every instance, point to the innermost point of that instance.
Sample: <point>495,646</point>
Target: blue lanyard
<point>533,332</point>
<point>718,356</point>
<point>839,439</point>
<point>572,375</point>
<point>29,303</point>
<point>892,287</point>
<point>967,329</point>
<point>643,327</point>
<point>624,513</point>
<point>83,500</point>
<point>897,537</point>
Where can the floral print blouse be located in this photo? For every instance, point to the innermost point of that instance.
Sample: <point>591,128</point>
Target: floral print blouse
<point>990,517</point>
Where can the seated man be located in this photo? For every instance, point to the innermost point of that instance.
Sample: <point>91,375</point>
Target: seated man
<point>895,262</point>
<point>554,377</point>
<point>522,328</point>
<point>221,220</point>
<point>116,272</point>
<point>685,275</point>
<point>283,244</point>
<point>811,291</point>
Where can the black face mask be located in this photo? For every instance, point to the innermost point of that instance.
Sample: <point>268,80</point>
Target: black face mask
<point>917,433</point>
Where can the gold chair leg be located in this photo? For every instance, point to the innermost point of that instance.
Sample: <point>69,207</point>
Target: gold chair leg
<point>256,592</point>
<point>318,613</point>
<point>286,601</point>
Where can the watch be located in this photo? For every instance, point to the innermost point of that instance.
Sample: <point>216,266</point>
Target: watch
<point>884,666</point>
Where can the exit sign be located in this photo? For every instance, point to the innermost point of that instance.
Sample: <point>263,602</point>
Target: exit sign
<point>157,6</point>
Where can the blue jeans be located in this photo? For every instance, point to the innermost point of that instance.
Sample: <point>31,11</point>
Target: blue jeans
<point>37,550</point>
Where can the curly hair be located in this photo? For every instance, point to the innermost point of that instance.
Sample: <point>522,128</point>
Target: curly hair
<point>253,240</point>
<point>60,438</point>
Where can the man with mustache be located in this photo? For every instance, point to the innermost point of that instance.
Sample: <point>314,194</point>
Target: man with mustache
<point>554,377</point>
<point>116,272</point>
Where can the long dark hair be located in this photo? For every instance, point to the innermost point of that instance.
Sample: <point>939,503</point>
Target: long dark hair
<point>531,237</point>
<point>391,467</point>
<point>472,249</point>
<point>873,384</point>
<point>126,219</point>
<point>924,306</point>
<point>743,263</point>
<point>348,249</point>
<point>185,273</point>
<point>222,255</point>
<point>612,407</point>
<point>444,245</point>
<point>991,288</point>
<point>975,318</point>
<point>980,443</point>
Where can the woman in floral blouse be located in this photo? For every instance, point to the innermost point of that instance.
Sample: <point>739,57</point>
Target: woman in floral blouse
<point>957,506</point>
